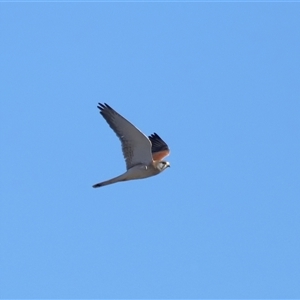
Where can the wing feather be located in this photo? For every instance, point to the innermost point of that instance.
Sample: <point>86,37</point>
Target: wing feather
<point>159,148</point>
<point>136,146</point>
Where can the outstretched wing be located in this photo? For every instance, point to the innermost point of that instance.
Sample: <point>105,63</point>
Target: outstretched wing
<point>136,146</point>
<point>159,148</point>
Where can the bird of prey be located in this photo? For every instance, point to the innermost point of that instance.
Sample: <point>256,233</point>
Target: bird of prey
<point>143,155</point>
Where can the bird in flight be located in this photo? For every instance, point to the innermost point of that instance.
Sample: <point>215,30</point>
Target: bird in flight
<point>143,155</point>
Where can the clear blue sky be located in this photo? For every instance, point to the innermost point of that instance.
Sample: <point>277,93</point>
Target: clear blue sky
<point>219,82</point>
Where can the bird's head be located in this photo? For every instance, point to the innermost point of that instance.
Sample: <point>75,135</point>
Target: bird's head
<point>162,165</point>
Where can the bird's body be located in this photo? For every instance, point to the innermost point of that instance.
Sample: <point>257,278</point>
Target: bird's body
<point>143,155</point>
<point>137,172</point>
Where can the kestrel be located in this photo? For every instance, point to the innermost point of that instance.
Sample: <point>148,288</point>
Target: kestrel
<point>143,155</point>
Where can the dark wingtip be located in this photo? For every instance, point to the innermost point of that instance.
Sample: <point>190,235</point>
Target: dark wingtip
<point>158,143</point>
<point>103,106</point>
<point>155,136</point>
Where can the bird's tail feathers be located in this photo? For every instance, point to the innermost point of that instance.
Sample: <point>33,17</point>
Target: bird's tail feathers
<point>122,177</point>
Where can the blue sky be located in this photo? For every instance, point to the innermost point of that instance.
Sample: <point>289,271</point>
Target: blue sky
<point>219,82</point>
